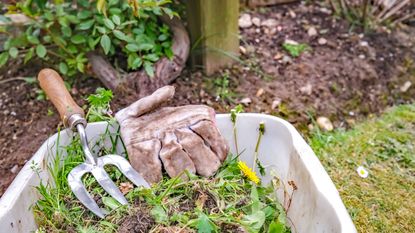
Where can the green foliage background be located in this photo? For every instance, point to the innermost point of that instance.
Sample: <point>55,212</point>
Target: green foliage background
<point>63,32</point>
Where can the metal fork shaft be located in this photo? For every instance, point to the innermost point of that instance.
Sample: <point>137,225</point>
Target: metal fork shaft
<point>90,158</point>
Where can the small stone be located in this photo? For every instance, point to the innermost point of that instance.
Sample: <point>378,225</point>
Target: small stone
<point>286,59</point>
<point>260,92</point>
<point>405,87</point>
<point>13,113</point>
<point>364,43</point>
<point>279,28</point>
<point>278,56</point>
<point>246,101</point>
<point>322,41</point>
<point>292,14</point>
<point>312,31</point>
<point>325,123</point>
<point>256,21</point>
<point>310,126</point>
<point>257,40</point>
<point>307,89</point>
<point>324,31</point>
<point>275,103</point>
<point>293,42</point>
<point>270,23</point>
<point>6,112</point>
<point>242,49</point>
<point>259,30</point>
<point>245,21</point>
<point>14,169</point>
<point>351,113</point>
<point>362,56</point>
<point>325,10</point>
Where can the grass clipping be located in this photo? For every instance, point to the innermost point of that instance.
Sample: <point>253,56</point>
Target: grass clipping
<point>231,201</point>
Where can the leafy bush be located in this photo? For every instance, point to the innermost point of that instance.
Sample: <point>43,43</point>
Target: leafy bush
<point>63,32</point>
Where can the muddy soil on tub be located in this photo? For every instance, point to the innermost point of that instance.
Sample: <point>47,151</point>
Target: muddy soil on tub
<point>346,75</point>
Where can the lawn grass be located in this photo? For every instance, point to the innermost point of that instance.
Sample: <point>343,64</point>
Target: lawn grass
<point>385,146</point>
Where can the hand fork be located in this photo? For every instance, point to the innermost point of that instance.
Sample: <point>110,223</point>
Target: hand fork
<point>73,117</point>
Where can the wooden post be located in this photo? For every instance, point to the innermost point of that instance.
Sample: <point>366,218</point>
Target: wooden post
<point>213,26</point>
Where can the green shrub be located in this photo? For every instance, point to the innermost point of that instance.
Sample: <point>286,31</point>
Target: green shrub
<point>63,32</point>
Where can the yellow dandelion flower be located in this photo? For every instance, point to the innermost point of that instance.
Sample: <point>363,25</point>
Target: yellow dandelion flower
<point>247,171</point>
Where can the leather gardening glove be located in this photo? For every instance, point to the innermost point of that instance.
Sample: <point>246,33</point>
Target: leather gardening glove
<point>178,138</point>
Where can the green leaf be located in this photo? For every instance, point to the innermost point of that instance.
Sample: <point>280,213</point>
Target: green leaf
<point>255,199</point>
<point>92,43</point>
<point>152,57</point>
<point>30,80</point>
<point>109,24</point>
<point>101,98</point>
<point>159,214</point>
<point>13,52</point>
<point>136,63</point>
<point>33,39</point>
<point>148,67</point>
<point>40,51</point>
<point>73,19</point>
<point>72,48</point>
<point>168,12</point>
<point>295,50</point>
<point>106,43</point>
<point>3,58</point>
<point>145,46</point>
<point>163,37</point>
<point>78,39</point>
<point>276,227</point>
<point>29,55</point>
<point>110,202</point>
<point>86,25</point>
<point>81,67</point>
<point>254,220</point>
<point>84,14</point>
<point>63,68</point>
<point>120,35</point>
<point>116,19</point>
<point>101,30</point>
<point>66,31</point>
<point>132,47</point>
<point>47,38</point>
<point>204,225</point>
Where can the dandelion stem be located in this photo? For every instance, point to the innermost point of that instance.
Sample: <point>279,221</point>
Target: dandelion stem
<point>261,132</point>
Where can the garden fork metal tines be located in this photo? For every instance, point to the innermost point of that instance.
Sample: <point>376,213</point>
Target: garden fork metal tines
<point>73,117</point>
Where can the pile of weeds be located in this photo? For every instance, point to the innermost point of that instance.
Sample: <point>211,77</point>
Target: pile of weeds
<point>226,202</point>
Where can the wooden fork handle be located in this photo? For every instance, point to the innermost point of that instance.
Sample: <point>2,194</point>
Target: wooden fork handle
<point>51,82</point>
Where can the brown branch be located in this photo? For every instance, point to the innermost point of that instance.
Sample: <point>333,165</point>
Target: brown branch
<point>104,71</point>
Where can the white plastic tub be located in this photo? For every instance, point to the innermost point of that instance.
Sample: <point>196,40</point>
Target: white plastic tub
<point>316,205</point>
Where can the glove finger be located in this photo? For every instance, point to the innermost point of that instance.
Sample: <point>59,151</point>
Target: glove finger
<point>205,160</point>
<point>146,104</point>
<point>208,131</point>
<point>144,159</point>
<point>174,158</point>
